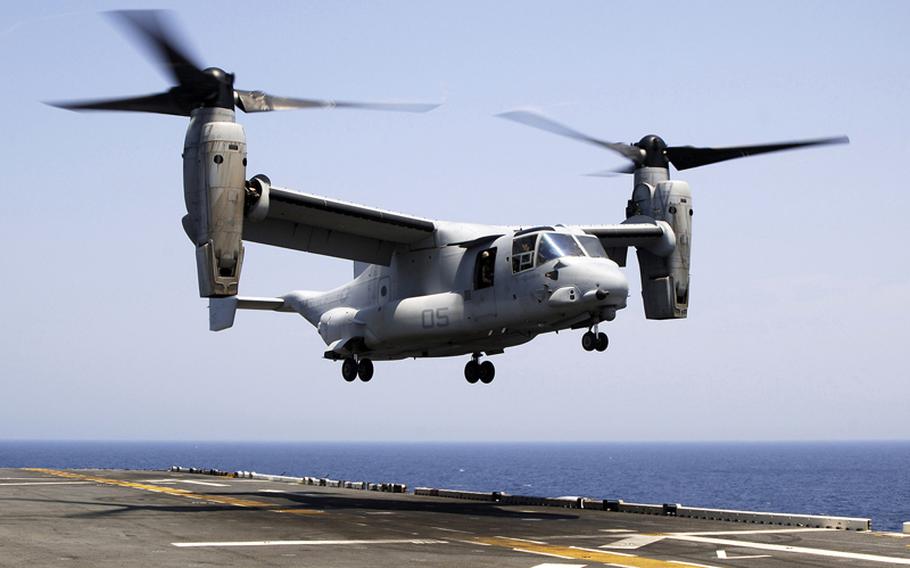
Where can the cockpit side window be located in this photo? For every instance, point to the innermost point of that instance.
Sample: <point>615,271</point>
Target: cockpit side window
<point>555,245</point>
<point>523,253</point>
<point>592,246</point>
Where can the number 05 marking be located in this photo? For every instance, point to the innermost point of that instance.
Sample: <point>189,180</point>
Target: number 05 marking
<point>434,318</point>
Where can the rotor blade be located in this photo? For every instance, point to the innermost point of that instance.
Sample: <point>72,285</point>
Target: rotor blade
<point>152,28</point>
<point>629,169</point>
<point>543,123</point>
<point>162,103</point>
<point>257,101</point>
<point>685,157</point>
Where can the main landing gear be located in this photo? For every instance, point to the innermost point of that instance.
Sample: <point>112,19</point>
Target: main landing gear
<point>352,368</point>
<point>592,340</point>
<point>476,371</point>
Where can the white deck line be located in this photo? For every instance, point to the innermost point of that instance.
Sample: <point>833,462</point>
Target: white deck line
<point>207,483</point>
<point>756,531</point>
<point>634,542</point>
<point>451,530</point>
<point>894,560</point>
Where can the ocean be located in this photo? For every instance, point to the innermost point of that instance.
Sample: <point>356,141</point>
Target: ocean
<point>857,479</point>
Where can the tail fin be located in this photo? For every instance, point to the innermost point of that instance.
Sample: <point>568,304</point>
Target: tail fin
<point>222,310</point>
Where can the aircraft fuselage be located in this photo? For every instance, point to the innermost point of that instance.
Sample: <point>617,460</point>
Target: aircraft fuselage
<point>475,297</point>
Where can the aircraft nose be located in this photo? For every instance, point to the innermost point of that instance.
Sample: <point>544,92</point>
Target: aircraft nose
<point>610,285</point>
<point>593,282</point>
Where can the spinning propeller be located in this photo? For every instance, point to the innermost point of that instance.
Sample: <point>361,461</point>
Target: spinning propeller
<point>652,151</point>
<point>196,87</point>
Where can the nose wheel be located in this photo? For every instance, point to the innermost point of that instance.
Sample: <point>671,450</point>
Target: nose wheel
<point>591,341</point>
<point>475,371</point>
<point>352,368</point>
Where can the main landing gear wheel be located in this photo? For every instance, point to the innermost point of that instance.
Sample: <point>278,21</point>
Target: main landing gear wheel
<point>487,372</point>
<point>589,341</point>
<point>475,371</point>
<point>472,371</point>
<point>365,370</point>
<point>349,369</point>
<point>602,342</point>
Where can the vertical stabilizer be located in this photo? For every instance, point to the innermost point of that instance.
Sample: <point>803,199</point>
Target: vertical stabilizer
<point>221,312</point>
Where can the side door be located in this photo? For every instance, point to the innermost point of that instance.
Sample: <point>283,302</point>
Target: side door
<point>482,303</point>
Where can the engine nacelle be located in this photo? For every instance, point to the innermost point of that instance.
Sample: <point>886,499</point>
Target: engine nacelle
<point>214,183</point>
<point>665,277</point>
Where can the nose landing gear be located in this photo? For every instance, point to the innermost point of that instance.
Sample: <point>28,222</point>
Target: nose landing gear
<point>592,340</point>
<point>475,371</point>
<point>352,368</point>
<point>588,341</point>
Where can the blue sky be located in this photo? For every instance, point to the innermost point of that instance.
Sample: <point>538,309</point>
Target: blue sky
<point>798,315</point>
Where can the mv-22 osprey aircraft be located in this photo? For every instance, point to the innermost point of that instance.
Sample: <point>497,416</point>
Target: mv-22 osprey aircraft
<point>421,288</point>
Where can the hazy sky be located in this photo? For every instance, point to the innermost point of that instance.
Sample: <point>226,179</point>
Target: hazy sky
<point>798,320</point>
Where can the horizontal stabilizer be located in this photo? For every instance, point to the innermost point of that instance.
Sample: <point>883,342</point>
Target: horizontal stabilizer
<point>222,310</point>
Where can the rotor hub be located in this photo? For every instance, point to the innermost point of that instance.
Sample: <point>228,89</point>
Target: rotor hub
<point>218,73</point>
<point>655,151</point>
<point>222,93</point>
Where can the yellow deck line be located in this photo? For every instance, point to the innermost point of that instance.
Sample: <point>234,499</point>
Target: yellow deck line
<point>299,511</point>
<point>220,499</point>
<point>585,554</point>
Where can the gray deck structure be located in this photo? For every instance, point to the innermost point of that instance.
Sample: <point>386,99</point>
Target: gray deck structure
<point>103,518</point>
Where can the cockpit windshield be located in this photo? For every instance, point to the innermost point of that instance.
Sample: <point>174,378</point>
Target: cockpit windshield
<point>555,245</point>
<point>545,246</point>
<point>592,246</point>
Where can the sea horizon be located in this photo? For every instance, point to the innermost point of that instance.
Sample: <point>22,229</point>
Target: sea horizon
<point>851,478</point>
<point>478,442</point>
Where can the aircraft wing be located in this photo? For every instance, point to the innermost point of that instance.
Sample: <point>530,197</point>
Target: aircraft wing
<point>616,239</point>
<point>320,225</point>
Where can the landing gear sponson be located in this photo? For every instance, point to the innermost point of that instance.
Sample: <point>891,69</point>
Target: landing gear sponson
<point>475,371</point>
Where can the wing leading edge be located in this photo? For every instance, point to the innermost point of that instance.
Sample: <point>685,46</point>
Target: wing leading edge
<point>616,239</point>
